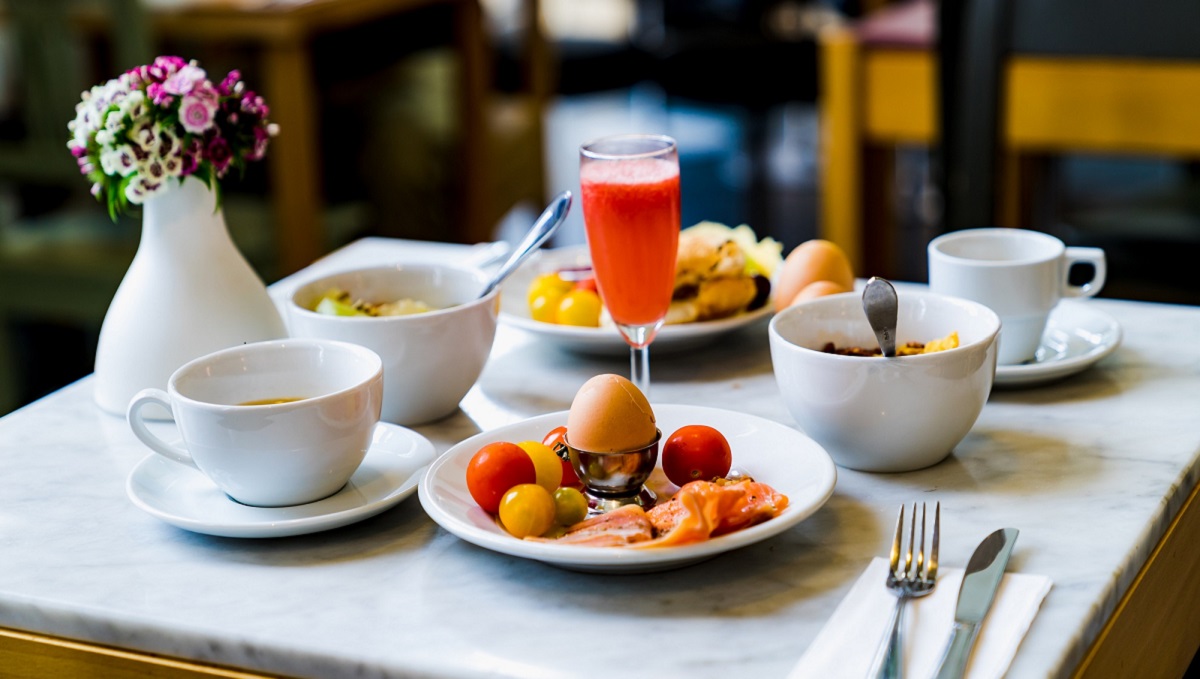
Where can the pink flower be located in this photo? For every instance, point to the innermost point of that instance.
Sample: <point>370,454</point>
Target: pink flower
<point>196,111</point>
<point>184,80</point>
<point>228,85</point>
<point>159,95</point>
<point>261,137</point>
<point>219,154</point>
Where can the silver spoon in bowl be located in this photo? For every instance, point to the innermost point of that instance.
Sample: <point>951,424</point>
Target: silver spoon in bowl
<point>545,226</point>
<point>882,308</point>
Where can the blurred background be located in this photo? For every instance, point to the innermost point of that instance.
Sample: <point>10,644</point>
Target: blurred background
<point>456,120</point>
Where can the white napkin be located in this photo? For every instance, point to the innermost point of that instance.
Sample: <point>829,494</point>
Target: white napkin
<point>846,646</point>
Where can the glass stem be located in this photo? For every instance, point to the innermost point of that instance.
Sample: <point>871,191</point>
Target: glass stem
<point>639,368</point>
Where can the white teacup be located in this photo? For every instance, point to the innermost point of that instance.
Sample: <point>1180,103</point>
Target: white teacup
<point>275,423</point>
<point>1019,274</point>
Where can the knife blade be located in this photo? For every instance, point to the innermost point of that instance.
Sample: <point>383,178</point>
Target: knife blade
<point>982,578</point>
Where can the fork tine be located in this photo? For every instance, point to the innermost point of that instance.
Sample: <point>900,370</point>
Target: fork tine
<point>920,572</point>
<point>912,532</point>
<point>933,549</point>
<point>895,557</point>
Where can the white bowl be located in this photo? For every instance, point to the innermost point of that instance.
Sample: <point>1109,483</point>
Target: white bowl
<point>885,414</point>
<point>431,359</point>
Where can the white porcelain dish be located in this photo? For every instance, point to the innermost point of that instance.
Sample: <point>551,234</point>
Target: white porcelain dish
<point>885,414</point>
<point>771,452</point>
<point>1076,337</point>
<point>430,360</point>
<point>186,498</point>
<point>514,311</point>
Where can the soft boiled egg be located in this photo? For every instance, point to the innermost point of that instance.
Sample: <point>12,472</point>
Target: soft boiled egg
<point>610,415</point>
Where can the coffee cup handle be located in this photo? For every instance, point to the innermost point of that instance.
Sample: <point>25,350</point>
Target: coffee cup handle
<point>1093,256</point>
<point>138,424</point>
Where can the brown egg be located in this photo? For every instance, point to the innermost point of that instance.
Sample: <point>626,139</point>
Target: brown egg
<point>819,289</point>
<point>610,415</point>
<point>811,261</point>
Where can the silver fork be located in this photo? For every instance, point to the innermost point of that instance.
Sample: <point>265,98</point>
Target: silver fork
<point>915,580</point>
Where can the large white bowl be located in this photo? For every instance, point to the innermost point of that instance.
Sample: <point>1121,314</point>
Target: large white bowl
<point>430,360</point>
<point>885,414</point>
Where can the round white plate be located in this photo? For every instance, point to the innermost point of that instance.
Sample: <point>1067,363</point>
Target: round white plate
<point>771,452</point>
<point>1076,336</point>
<point>186,498</point>
<point>514,310</point>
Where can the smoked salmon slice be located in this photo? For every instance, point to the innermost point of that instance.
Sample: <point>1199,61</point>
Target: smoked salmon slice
<point>703,509</point>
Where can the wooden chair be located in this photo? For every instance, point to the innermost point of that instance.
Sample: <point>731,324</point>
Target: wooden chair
<point>63,264</point>
<point>881,89</point>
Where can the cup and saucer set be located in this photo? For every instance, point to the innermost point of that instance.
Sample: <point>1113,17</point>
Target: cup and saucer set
<point>1048,332</point>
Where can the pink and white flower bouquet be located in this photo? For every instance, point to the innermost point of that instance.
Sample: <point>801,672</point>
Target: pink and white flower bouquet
<point>165,120</point>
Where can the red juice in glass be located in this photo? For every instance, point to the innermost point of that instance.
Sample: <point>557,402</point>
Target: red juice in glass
<point>631,210</point>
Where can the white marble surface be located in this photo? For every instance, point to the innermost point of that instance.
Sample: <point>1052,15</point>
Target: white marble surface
<point>1090,469</point>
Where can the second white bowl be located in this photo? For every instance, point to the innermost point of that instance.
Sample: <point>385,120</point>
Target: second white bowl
<point>885,414</point>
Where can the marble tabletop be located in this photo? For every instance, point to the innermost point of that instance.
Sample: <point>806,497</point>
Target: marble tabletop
<point>1091,469</point>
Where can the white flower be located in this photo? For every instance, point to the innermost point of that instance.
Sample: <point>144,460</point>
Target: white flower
<point>145,135</point>
<point>125,161</point>
<point>173,166</point>
<point>134,105</point>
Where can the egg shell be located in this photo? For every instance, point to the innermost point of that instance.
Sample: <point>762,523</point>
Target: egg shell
<point>819,289</point>
<point>610,415</point>
<point>811,261</point>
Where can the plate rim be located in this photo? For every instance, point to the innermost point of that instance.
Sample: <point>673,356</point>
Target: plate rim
<point>268,528</point>
<point>614,559</point>
<point>1031,373</point>
<point>579,336</point>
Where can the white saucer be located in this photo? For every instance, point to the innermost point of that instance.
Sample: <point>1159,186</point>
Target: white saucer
<point>772,453</point>
<point>607,341</point>
<point>186,498</point>
<point>1076,336</point>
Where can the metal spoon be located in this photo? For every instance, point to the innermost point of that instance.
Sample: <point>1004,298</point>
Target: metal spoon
<point>881,306</point>
<point>545,226</point>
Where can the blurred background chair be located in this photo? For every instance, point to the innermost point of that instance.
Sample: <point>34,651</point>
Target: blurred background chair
<point>61,257</point>
<point>1065,116</point>
<point>1039,97</point>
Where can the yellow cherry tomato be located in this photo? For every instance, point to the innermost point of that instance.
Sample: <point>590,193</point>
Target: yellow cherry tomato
<point>545,463</point>
<point>545,294</point>
<point>527,509</point>
<point>570,506</point>
<point>580,307</point>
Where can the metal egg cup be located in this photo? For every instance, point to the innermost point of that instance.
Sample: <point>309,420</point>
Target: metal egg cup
<point>611,480</point>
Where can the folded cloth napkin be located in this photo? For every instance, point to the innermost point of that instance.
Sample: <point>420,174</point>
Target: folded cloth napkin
<point>846,646</point>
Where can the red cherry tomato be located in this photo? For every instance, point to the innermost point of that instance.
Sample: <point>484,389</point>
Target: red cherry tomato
<point>557,440</point>
<point>495,469</point>
<point>696,452</point>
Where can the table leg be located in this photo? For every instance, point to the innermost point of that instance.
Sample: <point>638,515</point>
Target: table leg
<point>294,156</point>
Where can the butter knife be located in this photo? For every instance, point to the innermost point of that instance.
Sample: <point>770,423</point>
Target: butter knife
<point>984,572</point>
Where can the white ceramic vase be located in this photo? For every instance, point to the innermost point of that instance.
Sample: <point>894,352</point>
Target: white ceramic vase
<point>188,292</point>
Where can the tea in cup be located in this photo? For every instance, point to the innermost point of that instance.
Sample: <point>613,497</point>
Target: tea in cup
<point>276,423</point>
<point>1019,274</point>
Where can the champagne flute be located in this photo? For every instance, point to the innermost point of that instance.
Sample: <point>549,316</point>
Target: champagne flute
<point>631,210</point>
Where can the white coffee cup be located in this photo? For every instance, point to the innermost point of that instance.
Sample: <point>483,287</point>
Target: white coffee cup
<point>275,454</point>
<point>1019,274</point>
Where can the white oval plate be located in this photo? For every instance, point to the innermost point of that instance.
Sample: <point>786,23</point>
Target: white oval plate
<point>186,498</point>
<point>1076,337</point>
<point>772,453</point>
<point>514,310</point>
